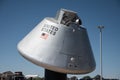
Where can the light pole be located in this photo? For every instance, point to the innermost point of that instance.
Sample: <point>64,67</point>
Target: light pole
<point>101,73</point>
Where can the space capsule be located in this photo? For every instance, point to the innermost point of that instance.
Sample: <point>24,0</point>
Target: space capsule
<point>59,44</point>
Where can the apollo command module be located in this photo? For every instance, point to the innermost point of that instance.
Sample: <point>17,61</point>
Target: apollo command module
<point>59,44</point>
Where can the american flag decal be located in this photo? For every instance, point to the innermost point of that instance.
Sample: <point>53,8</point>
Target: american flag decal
<point>44,36</point>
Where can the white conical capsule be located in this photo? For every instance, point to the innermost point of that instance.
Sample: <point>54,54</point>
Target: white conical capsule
<point>54,45</point>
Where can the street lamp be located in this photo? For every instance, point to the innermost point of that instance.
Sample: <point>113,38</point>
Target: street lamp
<point>101,27</point>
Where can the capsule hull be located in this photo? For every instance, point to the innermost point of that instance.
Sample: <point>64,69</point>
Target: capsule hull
<point>58,47</point>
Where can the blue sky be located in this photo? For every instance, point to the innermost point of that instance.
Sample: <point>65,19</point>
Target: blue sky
<point>19,17</point>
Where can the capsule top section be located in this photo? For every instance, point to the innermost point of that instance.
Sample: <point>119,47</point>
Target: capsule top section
<point>67,17</point>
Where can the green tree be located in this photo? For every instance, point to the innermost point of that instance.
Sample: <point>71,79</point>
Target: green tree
<point>87,78</point>
<point>97,77</point>
<point>36,78</point>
